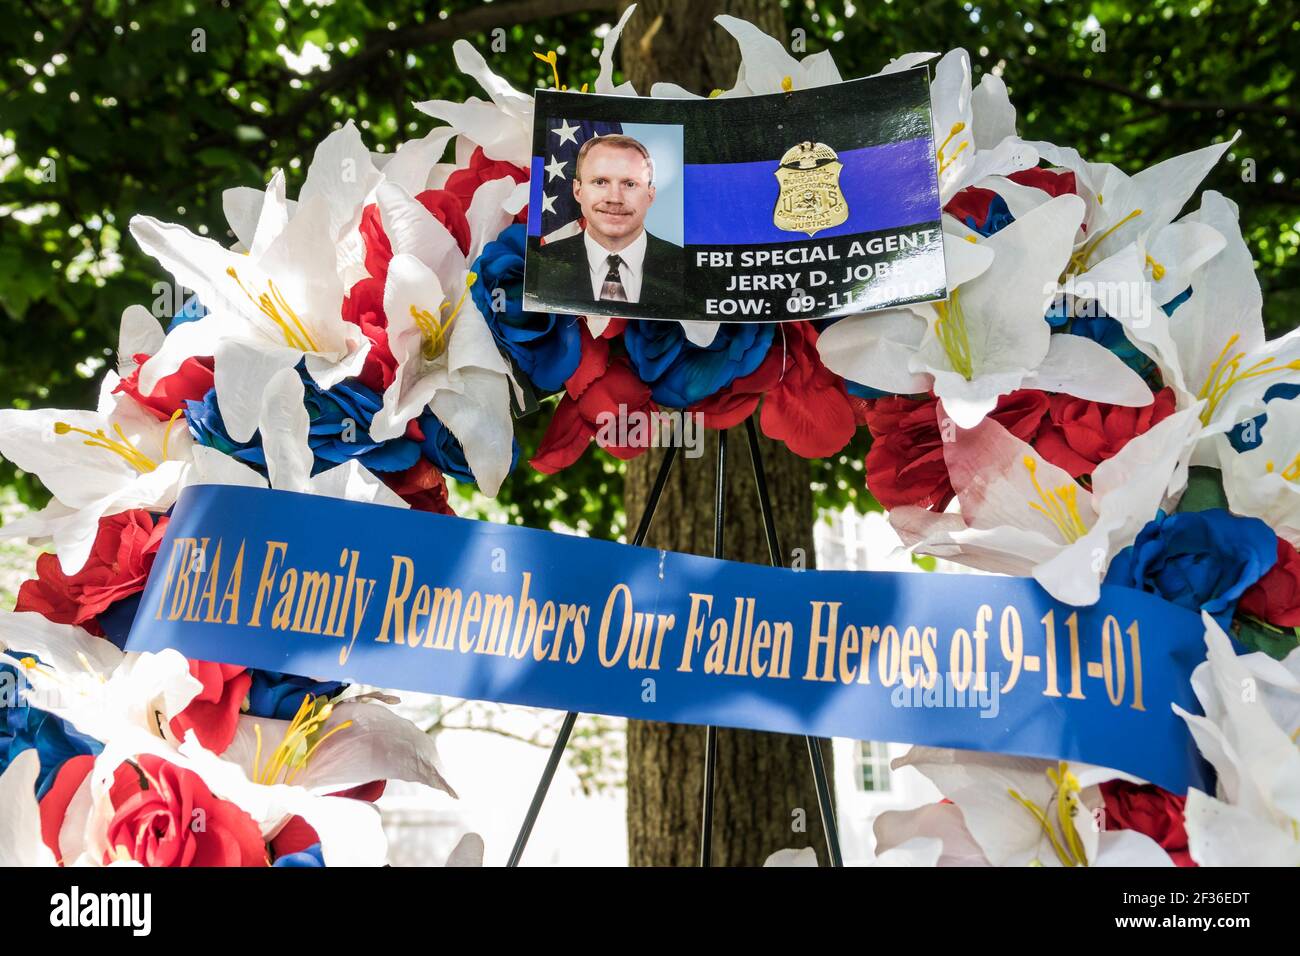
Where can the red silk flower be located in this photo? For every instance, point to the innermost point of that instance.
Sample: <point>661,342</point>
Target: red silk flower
<point>1053,182</point>
<point>163,815</point>
<point>1275,597</point>
<point>422,486</point>
<point>1078,435</point>
<point>600,390</point>
<point>190,382</point>
<point>808,408</point>
<point>124,551</point>
<point>213,714</point>
<point>363,306</point>
<point>463,183</point>
<point>1148,809</point>
<point>905,464</point>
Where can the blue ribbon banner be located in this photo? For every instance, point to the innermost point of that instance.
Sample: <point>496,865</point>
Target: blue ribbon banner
<point>347,591</point>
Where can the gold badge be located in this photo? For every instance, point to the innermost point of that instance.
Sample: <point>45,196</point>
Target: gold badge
<point>810,198</point>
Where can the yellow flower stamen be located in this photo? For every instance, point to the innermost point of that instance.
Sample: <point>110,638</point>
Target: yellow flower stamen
<point>275,307</point>
<point>1064,838</point>
<point>1291,472</point>
<point>1059,506</point>
<point>950,329</point>
<point>946,161</point>
<point>167,433</point>
<point>787,83</point>
<point>1225,372</point>
<point>435,329</point>
<point>1157,270</point>
<point>551,59</point>
<point>1080,260</point>
<point>301,739</point>
<point>120,446</point>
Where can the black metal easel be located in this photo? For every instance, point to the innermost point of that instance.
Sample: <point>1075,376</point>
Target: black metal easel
<point>711,733</point>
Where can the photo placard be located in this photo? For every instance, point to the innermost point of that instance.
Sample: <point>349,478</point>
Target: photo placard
<point>803,205</point>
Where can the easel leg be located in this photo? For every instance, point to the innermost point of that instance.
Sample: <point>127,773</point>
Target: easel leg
<point>566,729</point>
<point>775,553</point>
<point>711,733</point>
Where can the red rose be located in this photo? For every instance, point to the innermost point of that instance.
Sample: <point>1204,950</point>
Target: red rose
<point>1150,810</point>
<point>124,551</point>
<point>163,815</point>
<point>213,714</point>
<point>1052,182</point>
<point>190,382</point>
<point>905,465</point>
<point>1079,434</point>
<point>422,486</point>
<point>363,306</point>
<point>1275,597</point>
<point>463,183</point>
<point>808,408</point>
<point>599,389</point>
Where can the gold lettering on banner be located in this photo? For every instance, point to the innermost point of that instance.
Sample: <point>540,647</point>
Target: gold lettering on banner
<point>446,610</point>
<point>819,638</point>
<point>275,551</point>
<point>695,628</point>
<point>403,568</point>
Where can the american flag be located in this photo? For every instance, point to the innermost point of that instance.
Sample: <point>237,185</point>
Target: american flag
<point>561,216</point>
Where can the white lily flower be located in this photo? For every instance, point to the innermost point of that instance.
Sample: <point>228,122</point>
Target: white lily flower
<point>974,132</point>
<point>447,359</point>
<point>990,337</point>
<point>1123,209</point>
<point>1261,481</point>
<point>139,333</point>
<point>1249,734</point>
<point>95,464</point>
<point>103,692</point>
<point>265,312</point>
<point>1213,350</point>
<point>20,815</point>
<point>331,746</point>
<point>502,127</point>
<point>1023,515</point>
<point>1016,811</point>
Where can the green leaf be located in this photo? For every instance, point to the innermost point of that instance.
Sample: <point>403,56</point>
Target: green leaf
<point>1204,490</point>
<point>1258,636</point>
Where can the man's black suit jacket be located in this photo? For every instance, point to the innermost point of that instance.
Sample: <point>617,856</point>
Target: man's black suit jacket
<point>564,279</point>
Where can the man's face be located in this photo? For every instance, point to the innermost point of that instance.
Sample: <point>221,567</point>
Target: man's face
<point>614,192</point>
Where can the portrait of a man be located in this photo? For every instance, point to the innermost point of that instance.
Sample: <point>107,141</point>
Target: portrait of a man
<point>614,258</point>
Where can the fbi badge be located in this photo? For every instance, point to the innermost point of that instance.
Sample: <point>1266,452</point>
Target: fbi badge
<point>810,199</point>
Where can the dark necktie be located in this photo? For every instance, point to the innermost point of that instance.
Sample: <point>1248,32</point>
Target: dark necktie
<point>612,290</point>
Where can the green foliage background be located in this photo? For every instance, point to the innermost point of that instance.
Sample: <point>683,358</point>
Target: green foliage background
<point>109,108</point>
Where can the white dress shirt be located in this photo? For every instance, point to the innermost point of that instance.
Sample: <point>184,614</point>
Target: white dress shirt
<point>629,270</point>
